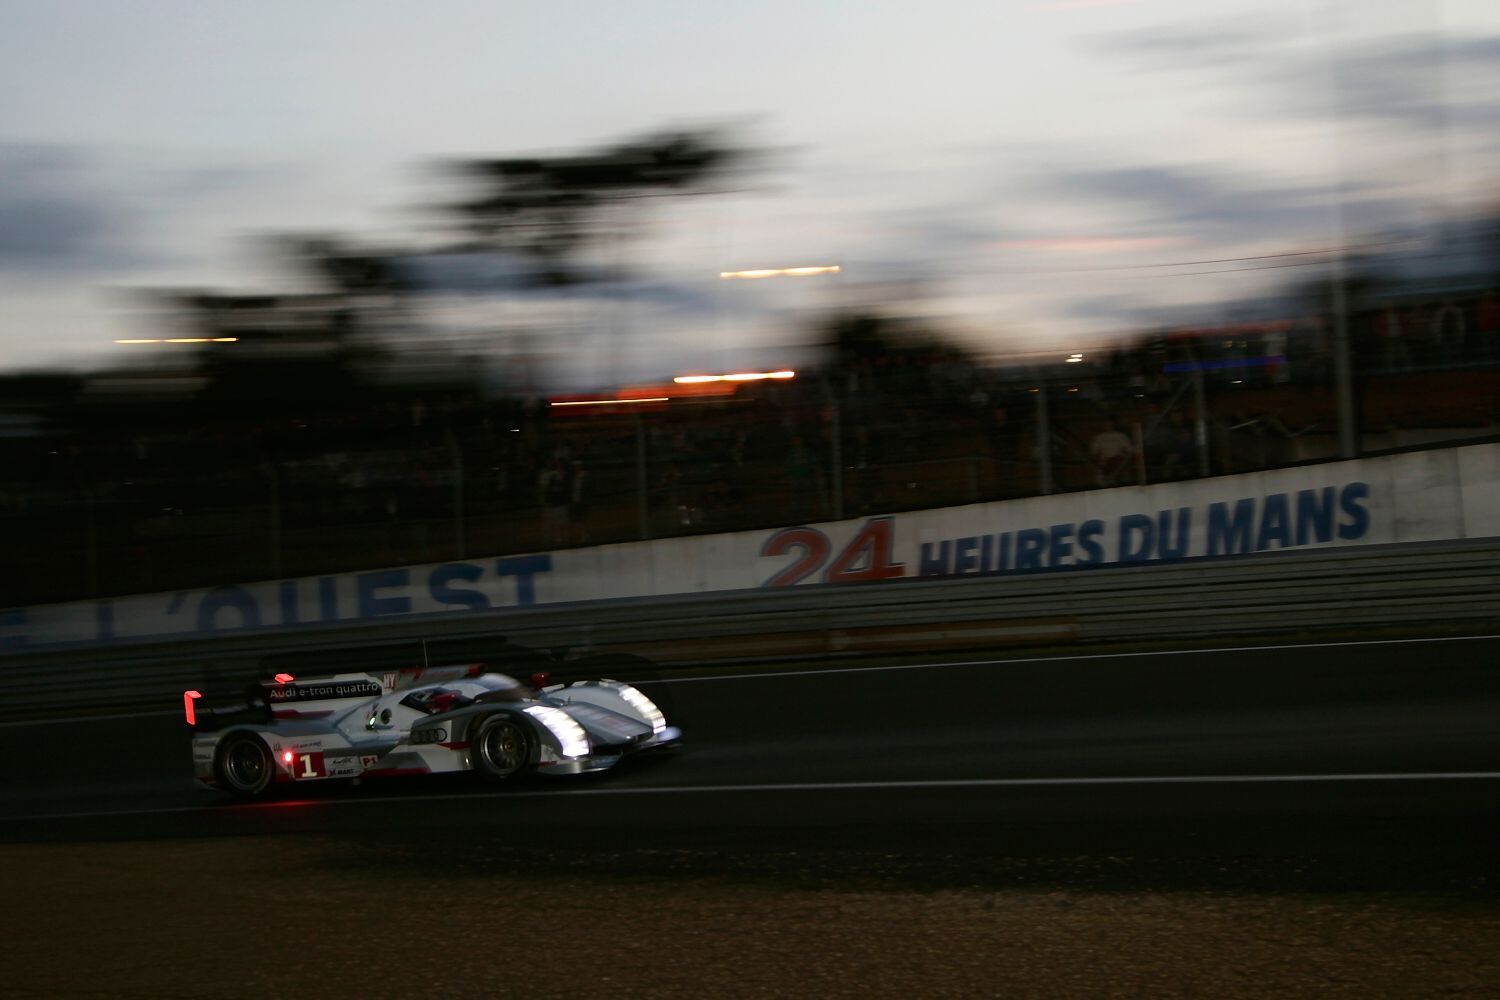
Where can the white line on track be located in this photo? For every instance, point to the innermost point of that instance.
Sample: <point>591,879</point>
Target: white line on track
<point>814,672</point>
<point>21,723</point>
<point>811,786</point>
<point>1071,657</point>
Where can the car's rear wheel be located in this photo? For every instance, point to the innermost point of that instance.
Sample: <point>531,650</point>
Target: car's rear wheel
<point>244,766</point>
<point>503,748</point>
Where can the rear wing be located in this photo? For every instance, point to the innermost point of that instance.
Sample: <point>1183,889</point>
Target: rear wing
<point>262,702</point>
<point>207,718</point>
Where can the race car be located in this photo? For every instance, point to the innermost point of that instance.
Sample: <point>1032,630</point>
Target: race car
<point>418,721</point>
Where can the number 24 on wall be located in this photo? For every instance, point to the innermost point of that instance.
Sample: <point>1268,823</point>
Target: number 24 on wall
<point>866,557</point>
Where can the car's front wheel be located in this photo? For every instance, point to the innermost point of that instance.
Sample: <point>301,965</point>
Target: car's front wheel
<point>503,747</point>
<point>244,766</point>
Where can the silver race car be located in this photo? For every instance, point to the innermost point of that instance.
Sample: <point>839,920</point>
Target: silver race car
<point>418,721</point>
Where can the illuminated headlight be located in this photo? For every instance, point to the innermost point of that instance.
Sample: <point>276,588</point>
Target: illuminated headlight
<point>570,735</point>
<point>645,706</point>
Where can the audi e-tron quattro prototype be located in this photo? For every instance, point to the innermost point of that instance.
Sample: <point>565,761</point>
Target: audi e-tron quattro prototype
<point>418,721</point>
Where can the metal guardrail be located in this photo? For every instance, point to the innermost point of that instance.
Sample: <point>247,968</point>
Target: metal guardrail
<point>1452,583</point>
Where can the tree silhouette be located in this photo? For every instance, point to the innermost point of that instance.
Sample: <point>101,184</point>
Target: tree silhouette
<point>549,209</point>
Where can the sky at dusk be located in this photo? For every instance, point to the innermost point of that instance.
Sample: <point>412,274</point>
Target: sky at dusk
<point>1020,168</point>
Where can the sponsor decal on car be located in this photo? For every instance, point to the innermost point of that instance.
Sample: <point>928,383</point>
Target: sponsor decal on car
<point>343,767</point>
<point>278,693</point>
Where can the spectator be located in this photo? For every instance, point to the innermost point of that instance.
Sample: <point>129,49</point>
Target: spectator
<point>1391,333</point>
<point>998,432</point>
<point>864,461</point>
<point>552,492</point>
<point>1488,326</point>
<point>1110,451</point>
<point>1179,449</point>
<point>578,506</point>
<point>1447,332</point>
<point>803,473</point>
<point>1278,362</point>
<point>723,505</point>
<point>1313,334</point>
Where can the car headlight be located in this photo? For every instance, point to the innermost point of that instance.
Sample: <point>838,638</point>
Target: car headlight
<point>571,738</point>
<point>645,706</point>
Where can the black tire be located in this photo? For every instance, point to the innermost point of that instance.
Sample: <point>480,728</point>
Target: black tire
<point>503,748</point>
<point>244,766</point>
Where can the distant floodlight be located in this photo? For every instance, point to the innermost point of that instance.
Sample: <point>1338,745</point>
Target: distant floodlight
<point>734,377</point>
<point>782,272</point>
<point>611,402</point>
<point>178,340</point>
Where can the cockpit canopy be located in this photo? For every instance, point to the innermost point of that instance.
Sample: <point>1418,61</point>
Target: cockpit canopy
<point>451,697</point>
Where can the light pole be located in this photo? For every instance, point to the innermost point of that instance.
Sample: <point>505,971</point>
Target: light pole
<point>1343,377</point>
<point>1043,439</point>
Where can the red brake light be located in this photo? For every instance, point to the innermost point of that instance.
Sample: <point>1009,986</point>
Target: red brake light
<point>540,679</point>
<point>286,757</point>
<point>284,678</point>
<point>188,697</point>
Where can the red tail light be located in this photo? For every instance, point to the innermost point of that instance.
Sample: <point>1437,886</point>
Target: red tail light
<point>540,680</point>
<point>284,678</point>
<point>286,757</point>
<point>188,697</point>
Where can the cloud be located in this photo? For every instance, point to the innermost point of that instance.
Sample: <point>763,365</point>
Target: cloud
<point>1412,81</point>
<point>1217,208</point>
<point>68,212</point>
<point>1223,43</point>
<point>219,180</point>
<point>501,275</point>
<point>931,238</point>
<point>1210,206</point>
<point>1112,308</point>
<point>53,215</point>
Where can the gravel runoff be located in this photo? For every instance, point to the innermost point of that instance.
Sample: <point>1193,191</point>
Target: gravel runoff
<point>306,917</point>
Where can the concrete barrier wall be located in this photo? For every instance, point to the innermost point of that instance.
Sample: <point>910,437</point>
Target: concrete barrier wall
<point>1447,494</point>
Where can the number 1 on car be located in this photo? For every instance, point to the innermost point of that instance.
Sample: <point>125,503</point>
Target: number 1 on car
<point>312,766</point>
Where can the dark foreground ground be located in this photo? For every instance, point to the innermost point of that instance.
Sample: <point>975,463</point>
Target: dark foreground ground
<point>1309,821</point>
<point>310,916</point>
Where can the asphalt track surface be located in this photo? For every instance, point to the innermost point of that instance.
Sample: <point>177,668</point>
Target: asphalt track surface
<point>1386,749</point>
